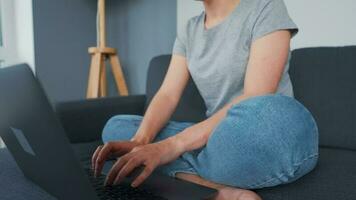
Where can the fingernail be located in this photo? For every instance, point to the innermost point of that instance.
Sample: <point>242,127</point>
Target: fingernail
<point>133,185</point>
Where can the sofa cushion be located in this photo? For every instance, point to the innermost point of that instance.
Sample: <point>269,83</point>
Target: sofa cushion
<point>94,113</point>
<point>14,185</point>
<point>191,107</point>
<point>333,178</point>
<point>324,80</point>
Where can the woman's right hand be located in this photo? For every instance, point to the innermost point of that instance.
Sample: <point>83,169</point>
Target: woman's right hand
<point>110,149</point>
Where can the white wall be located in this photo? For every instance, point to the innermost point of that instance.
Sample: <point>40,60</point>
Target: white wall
<point>24,30</point>
<point>321,22</point>
<point>324,22</point>
<point>17,27</point>
<point>17,32</point>
<point>8,51</point>
<point>2,144</point>
<point>187,9</point>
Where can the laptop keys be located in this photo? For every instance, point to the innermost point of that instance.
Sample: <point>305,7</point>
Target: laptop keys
<point>119,192</point>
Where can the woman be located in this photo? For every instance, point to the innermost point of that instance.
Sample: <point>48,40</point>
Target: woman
<point>256,134</point>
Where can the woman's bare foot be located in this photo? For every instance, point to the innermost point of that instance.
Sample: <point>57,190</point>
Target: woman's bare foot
<point>224,192</point>
<point>229,193</point>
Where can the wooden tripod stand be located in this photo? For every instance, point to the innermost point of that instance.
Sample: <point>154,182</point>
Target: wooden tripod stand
<point>97,83</point>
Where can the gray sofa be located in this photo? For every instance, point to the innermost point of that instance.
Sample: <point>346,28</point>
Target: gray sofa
<point>324,81</point>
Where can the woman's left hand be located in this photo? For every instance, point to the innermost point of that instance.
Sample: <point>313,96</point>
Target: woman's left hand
<point>149,156</point>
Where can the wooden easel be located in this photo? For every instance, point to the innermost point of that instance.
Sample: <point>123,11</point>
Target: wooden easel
<point>97,83</point>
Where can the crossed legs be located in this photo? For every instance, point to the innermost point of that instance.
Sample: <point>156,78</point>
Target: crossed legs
<point>262,142</point>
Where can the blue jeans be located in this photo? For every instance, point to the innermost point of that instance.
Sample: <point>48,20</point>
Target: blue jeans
<point>262,142</point>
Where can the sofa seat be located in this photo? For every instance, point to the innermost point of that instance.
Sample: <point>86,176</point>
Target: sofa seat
<point>333,178</point>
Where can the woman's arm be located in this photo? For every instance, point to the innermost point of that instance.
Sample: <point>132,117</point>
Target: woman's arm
<point>268,56</point>
<point>165,101</point>
<point>158,113</point>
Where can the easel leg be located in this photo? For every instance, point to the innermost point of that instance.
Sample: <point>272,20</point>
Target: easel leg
<point>118,74</point>
<point>94,74</point>
<point>103,85</point>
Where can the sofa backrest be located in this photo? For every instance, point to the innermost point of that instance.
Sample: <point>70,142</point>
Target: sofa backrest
<point>191,107</point>
<point>324,80</point>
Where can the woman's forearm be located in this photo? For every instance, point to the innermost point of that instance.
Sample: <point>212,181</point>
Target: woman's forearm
<point>197,135</point>
<point>165,101</point>
<point>157,115</point>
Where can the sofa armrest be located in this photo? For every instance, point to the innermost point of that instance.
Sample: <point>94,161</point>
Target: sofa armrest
<point>84,120</point>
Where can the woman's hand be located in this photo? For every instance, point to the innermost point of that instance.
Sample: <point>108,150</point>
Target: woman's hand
<point>149,156</point>
<point>110,149</point>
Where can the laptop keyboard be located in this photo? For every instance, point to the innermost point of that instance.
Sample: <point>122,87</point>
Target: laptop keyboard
<point>119,192</point>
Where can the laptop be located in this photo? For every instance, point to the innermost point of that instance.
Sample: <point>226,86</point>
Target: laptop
<point>38,143</point>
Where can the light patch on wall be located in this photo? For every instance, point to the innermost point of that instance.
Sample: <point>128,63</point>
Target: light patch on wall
<point>320,22</point>
<point>1,40</point>
<point>186,10</point>
<point>323,22</point>
<point>2,144</point>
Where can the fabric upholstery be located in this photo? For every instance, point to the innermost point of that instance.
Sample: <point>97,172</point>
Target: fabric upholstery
<point>94,114</point>
<point>333,178</point>
<point>324,80</point>
<point>191,107</point>
<point>13,184</point>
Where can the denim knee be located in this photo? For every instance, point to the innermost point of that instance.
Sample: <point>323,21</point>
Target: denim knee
<point>121,127</point>
<point>262,142</point>
<point>280,118</point>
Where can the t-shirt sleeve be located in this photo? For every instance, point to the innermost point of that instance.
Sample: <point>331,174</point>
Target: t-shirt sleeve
<point>179,47</point>
<point>181,42</point>
<point>273,17</point>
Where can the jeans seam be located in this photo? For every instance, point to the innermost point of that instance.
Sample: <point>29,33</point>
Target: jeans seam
<point>305,159</point>
<point>296,168</point>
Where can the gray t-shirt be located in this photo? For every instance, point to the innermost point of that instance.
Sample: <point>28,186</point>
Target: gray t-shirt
<point>217,57</point>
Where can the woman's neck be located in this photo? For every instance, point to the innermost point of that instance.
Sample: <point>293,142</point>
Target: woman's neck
<point>217,10</point>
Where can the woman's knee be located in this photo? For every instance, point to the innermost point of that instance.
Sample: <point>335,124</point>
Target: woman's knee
<point>269,137</point>
<point>254,164</point>
<point>275,119</point>
<point>121,127</point>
